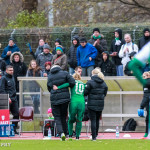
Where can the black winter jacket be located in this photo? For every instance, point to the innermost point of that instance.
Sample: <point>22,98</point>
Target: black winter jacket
<point>7,86</point>
<point>100,48</point>
<point>2,65</point>
<point>96,89</point>
<point>39,50</point>
<point>72,56</point>
<point>58,77</point>
<point>108,68</point>
<point>146,96</point>
<point>143,41</point>
<point>20,69</point>
<point>116,48</point>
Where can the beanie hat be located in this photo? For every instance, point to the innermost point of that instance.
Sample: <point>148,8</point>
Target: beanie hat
<point>48,63</point>
<point>58,40</point>
<point>146,29</point>
<point>59,48</point>
<point>96,29</point>
<point>46,46</point>
<point>11,39</point>
<point>82,40</point>
<point>49,110</point>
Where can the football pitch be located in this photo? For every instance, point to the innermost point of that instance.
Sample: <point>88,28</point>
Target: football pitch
<point>75,145</point>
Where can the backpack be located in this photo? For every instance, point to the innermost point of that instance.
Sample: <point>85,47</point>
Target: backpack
<point>129,125</point>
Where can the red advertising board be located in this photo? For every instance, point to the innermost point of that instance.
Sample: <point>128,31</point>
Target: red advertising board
<point>4,116</point>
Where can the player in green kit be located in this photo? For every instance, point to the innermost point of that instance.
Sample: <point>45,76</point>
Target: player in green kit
<point>77,105</point>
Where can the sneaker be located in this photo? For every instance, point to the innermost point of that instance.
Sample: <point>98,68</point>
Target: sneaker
<point>77,138</point>
<point>15,131</point>
<point>93,139</point>
<point>63,138</point>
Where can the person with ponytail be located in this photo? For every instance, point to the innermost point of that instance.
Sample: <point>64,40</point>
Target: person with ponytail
<point>96,90</point>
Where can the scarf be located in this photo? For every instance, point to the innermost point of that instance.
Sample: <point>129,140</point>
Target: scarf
<point>98,37</point>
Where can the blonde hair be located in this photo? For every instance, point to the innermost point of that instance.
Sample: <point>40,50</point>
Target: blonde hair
<point>76,76</point>
<point>97,71</point>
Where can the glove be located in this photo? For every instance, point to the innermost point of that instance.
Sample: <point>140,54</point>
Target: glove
<point>141,112</point>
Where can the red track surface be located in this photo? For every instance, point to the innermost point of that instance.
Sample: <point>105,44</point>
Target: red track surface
<point>32,136</point>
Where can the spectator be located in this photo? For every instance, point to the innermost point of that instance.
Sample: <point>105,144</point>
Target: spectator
<point>11,48</point>
<point>47,69</point>
<point>39,50</point>
<point>99,43</point>
<point>96,89</point>
<point>2,65</point>
<point>127,71</point>
<point>72,55</point>
<point>60,98</point>
<point>44,57</point>
<point>7,86</point>
<point>115,49</point>
<point>78,70</point>
<point>20,68</point>
<point>145,39</point>
<point>107,67</point>
<point>126,49</point>
<point>57,42</point>
<point>86,54</point>
<point>34,71</point>
<point>60,58</point>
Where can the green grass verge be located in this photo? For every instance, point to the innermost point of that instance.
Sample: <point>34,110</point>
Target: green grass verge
<point>76,145</point>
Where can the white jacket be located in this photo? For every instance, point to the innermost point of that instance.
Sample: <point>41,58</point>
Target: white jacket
<point>125,55</point>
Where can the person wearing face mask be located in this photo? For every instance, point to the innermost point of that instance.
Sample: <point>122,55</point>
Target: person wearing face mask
<point>145,39</point>
<point>11,48</point>
<point>98,41</point>
<point>126,49</point>
<point>60,58</point>
<point>86,54</point>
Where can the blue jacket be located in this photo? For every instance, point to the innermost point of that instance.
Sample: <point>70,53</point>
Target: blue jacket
<point>83,54</point>
<point>13,49</point>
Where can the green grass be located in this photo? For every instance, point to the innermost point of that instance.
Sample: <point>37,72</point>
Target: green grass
<point>76,145</point>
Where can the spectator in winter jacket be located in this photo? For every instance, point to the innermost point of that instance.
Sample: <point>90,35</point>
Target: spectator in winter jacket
<point>11,48</point>
<point>145,39</point>
<point>78,70</point>
<point>99,43</point>
<point>60,98</point>
<point>2,65</point>
<point>44,57</point>
<point>20,68</point>
<point>96,89</point>
<point>46,72</point>
<point>34,71</point>
<point>58,42</point>
<point>115,49</point>
<point>107,67</point>
<point>60,58</point>
<point>86,54</point>
<point>126,49</point>
<point>7,86</point>
<point>126,70</point>
<point>72,55</point>
<point>39,50</point>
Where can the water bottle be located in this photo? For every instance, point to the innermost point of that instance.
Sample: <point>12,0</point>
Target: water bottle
<point>49,133</point>
<point>12,131</point>
<point>117,131</point>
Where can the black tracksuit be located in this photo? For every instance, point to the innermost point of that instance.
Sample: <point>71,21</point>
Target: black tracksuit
<point>96,89</point>
<point>8,87</point>
<point>145,101</point>
<point>59,98</point>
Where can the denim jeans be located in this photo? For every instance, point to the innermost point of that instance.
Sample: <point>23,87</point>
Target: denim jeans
<point>87,71</point>
<point>119,69</point>
<point>71,71</point>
